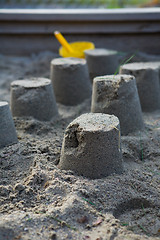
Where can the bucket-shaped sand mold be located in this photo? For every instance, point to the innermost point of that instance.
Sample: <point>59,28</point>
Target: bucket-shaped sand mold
<point>70,80</point>
<point>101,62</point>
<point>148,83</point>
<point>75,49</point>
<point>8,134</point>
<point>92,146</point>
<point>33,97</point>
<point>78,49</point>
<point>118,95</point>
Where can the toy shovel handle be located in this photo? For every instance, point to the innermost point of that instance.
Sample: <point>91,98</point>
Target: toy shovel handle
<point>63,41</point>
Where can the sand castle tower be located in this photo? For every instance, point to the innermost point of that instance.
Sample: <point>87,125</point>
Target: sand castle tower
<point>92,146</point>
<point>148,83</point>
<point>117,94</point>
<point>101,62</point>
<point>33,97</point>
<point>8,134</point>
<point>70,79</point>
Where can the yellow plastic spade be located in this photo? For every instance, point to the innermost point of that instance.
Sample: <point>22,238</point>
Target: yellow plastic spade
<point>75,49</point>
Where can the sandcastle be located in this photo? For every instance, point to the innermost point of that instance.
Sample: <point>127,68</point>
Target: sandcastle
<point>117,94</point>
<point>70,80</point>
<point>148,83</point>
<point>8,134</point>
<point>92,146</point>
<point>33,97</point>
<point>101,62</point>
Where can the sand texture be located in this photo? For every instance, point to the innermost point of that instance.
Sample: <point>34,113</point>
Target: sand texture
<point>41,202</point>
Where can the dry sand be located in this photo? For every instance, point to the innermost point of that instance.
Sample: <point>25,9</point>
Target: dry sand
<point>39,201</point>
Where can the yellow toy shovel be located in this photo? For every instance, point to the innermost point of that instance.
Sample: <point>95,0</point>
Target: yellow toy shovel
<point>74,49</point>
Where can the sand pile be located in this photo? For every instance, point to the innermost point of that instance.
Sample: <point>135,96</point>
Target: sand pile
<point>39,201</point>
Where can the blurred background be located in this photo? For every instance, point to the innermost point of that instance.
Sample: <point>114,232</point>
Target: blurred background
<point>78,3</point>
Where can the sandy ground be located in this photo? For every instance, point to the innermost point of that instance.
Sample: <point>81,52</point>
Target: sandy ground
<point>39,201</point>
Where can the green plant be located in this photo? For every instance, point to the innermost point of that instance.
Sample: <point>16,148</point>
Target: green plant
<point>125,61</point>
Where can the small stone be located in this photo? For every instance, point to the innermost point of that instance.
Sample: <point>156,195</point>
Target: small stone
<point>83,219</point>
<point>15,200</point>
<point>42,210</point>
<point>51,227</point>
<point>19,187</point>
<point>53,236</point>
<point>97,222</point>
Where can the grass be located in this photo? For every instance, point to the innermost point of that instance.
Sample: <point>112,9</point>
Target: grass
<point>144,230</point>
<point>104,3</point>
<point>91,203</point>
<point>131,228</point>
<point>125,61</point>
<point>124,3</point>
<point>88,201</point>
<point>62,223</point>
<point>124,224</point>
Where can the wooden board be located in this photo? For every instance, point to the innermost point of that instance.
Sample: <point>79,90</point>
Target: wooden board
<point>28,31</point>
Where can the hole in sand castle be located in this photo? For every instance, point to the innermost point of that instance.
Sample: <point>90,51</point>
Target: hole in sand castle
<point>71,137</point>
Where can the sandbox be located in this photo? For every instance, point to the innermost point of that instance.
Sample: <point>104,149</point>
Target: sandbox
<point>40,201</point>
